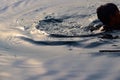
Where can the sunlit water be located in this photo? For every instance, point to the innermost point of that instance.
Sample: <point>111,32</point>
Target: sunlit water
<point>52,40</point>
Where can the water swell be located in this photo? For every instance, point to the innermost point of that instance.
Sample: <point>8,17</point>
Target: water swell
<point>63,30</point>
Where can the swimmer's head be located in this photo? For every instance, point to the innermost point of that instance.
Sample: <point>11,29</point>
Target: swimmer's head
<point>108,14</point>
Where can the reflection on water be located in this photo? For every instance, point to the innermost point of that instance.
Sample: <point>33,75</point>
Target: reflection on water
<point>55,40</point>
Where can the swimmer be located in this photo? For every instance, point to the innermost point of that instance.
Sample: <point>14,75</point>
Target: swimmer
<point>109,15</point>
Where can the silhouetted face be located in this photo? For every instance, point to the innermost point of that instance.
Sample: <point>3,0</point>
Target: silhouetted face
<point>115,19</point>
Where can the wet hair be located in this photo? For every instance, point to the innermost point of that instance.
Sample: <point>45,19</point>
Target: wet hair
<point>105,11</point>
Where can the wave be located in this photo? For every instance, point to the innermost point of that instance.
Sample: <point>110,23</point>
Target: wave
<point>50,43</point>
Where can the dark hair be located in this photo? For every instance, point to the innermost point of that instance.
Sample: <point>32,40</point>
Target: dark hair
<point>105,11</point>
